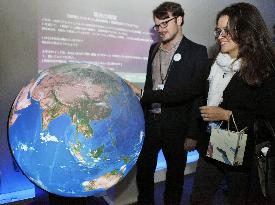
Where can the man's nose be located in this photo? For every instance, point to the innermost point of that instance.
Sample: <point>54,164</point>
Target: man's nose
<point>160,29</point>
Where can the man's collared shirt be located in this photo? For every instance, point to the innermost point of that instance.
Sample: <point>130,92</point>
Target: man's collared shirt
<point>160,67</point>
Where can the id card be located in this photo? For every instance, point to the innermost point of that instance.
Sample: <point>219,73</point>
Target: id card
<point>160,86</point>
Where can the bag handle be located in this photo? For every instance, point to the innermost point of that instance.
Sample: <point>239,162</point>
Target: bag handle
<point>269,126</point>
<point>233,119</point>
<point>233,122</point>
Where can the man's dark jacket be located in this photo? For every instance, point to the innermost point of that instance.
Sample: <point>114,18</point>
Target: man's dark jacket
<point>185,84</point>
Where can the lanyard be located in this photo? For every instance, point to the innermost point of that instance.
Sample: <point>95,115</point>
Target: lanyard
<point>164,78</point>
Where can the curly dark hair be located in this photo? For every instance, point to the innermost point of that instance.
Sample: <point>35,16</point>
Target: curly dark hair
<point>162,11</point>
<point>248,29</point>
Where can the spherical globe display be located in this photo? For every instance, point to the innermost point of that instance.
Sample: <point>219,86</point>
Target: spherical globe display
<point>76,130</point>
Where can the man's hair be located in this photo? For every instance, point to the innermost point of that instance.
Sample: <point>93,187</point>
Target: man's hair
<point>163,10</point>
<point>247,28</point>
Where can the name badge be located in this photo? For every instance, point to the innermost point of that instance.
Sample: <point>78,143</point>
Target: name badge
<point>160,87</point>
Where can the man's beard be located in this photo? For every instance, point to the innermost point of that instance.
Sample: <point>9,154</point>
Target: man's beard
<point>169,39</point>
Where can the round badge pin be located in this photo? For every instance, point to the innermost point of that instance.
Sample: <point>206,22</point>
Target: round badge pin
<point>177,57</point>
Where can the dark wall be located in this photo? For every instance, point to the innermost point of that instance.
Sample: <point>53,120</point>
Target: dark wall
<point>18,64</point>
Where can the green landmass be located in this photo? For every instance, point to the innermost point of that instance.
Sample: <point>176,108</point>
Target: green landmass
<point>84,109</point>
<point>77,147</point>
<point>114,172</point>
<point>54,111</point>
<point>97,152</point>
<point>126,159</point>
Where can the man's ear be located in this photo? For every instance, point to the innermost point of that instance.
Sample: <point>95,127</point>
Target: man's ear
<point>180,20</point>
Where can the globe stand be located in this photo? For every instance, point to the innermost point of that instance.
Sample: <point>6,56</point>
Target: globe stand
<point>100,199</point>
<point>106,198</point>
<point>55,199</point>
<point>93,200</point>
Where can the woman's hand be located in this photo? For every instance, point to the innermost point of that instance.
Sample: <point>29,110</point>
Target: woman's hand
<point>214,113</point>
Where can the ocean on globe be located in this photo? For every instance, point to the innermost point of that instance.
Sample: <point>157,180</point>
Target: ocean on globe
<point>76,130</point>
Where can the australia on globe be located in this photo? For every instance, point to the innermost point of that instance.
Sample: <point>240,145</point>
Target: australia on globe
<point>76,130</point>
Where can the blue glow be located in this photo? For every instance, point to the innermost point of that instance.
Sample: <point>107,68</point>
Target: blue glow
<point>17,195</point>
<point>30,193</point>
<point>191,157</point>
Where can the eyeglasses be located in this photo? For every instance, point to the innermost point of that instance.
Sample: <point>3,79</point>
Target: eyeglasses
<point>163,24</point>
<point>221,31</point>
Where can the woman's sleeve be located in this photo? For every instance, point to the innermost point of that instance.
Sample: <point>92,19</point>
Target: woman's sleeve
<point>266,107</point>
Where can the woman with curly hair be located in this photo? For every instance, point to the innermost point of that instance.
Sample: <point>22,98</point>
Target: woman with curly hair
<point>241,84</point>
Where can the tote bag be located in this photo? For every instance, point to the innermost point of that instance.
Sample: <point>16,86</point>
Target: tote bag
<point>227,146</point>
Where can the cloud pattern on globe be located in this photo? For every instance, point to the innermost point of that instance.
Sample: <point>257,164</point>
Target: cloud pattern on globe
<point>76,130</point>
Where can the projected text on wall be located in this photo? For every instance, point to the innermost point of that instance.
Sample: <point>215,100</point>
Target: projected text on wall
<point>101,38</point>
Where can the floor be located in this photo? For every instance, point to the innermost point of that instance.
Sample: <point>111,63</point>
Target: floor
<point>159,187</point>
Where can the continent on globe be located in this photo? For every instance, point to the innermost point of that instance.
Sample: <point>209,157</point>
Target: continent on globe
<point>103,182</point>
<point>76,130</point>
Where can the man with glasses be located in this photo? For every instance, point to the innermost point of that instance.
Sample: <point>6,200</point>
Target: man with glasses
<point>173,83</point>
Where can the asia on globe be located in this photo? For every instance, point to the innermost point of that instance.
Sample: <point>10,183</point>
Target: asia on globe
<point>76,130</point>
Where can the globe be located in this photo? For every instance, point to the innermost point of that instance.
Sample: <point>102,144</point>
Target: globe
<point>76,130</point>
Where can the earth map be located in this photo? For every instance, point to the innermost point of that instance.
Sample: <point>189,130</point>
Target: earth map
<point>76,130</point>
